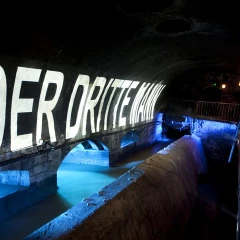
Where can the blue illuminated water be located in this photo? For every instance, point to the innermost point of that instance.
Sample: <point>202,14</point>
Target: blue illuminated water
<point>75,182</point>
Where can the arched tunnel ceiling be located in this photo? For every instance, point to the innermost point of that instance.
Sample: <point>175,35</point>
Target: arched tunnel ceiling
<point>150,41</point>
<point>175,43</point>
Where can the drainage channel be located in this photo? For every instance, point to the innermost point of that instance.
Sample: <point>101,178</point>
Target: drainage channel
<point>75,182</point>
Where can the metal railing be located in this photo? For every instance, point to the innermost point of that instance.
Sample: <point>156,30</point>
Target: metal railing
<point>213,110</point>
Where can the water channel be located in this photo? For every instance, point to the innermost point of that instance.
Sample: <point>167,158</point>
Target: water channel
<point>75,182</point>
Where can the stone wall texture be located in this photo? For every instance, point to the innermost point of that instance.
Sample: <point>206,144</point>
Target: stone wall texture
<point>154,200</point>
<point>217,138</point>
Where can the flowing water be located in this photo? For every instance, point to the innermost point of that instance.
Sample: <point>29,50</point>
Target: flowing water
<point>75,182</point>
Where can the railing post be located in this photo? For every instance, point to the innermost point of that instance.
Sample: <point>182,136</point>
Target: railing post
<point>233,143</point>
<point>218,110</point>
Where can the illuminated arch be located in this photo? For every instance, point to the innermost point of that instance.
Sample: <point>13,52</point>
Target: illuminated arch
<point>92,152</point>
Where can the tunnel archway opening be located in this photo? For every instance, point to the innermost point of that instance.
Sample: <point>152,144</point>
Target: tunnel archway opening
<point>91,152</point>
<point>83,171</point>
<point>175,126</point>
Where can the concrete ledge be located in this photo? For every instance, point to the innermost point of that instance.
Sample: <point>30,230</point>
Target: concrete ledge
<point>26,196</point>
<point>88,156</point>
<point>151,201</point>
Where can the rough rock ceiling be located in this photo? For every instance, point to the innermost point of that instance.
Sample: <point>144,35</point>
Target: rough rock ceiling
<point>150,41</point>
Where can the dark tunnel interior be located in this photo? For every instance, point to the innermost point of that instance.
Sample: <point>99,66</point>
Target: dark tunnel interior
<point>183,55</point>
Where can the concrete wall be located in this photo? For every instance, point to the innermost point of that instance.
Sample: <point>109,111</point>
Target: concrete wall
<point>40,181</point>
<point>41,169</point>
<point>151,201</point>
<point>63,93</point>
<point>147,136</point>
<point>217,139</point>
